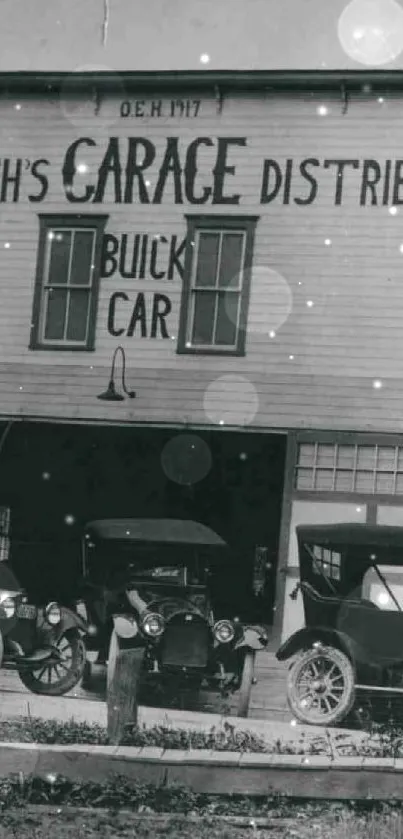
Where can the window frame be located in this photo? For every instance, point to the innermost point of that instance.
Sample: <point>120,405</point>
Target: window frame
<point>216,224</point>
<point>49,222</point>
<point>353,471</point>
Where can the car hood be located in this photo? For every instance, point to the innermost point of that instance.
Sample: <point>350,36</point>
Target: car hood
<point>170,606</point>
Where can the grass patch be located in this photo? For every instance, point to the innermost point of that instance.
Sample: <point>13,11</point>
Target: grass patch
<point>225,738</point>
<point>119,793</point>
<point>380,740</point>
<point>108,810</point>
<point>69,824</point>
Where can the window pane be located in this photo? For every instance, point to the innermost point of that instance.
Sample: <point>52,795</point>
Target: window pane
<point>304,479</point>
<point>56,313</point>
<point>345,456</point>
<point>386,458</point>
<point>207,259</point>
<point>306,454</point>
<point>326,455</point>
<point>227,316</point>
<point>59,257</point>
<point>364,482</point>
<point>385,483</point>
<point>230,262</point>
<point>344,481</point>
<point>366,457</point>
<point>82,257</point>
<point>78,314</point>
<point>324,479</point>
<point>203,321</point>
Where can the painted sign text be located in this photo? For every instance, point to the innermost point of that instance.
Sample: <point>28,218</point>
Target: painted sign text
<point>140,108</point>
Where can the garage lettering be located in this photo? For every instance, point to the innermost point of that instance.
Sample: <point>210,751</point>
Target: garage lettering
<point>126,163</point>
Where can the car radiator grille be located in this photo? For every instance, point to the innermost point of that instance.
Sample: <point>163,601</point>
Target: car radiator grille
<point>185,643</point>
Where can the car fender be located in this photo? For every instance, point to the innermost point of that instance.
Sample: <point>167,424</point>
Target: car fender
<point>125,626</point>
<point>127,630</point>
<point>305,638</point>
<point>253,639</point>
<point>71,620</point>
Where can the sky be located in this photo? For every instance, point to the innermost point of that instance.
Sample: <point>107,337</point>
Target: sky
<point>169,35</point>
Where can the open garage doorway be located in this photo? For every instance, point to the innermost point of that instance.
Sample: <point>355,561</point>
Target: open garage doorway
<point>56,477</point>
<point>240,497</point>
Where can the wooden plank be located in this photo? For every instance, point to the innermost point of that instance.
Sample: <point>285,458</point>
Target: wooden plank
<point>122,692</point>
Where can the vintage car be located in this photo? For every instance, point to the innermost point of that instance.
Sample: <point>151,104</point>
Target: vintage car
<point>148,585</point>
<point>350,650</point>
<point>45,643</point>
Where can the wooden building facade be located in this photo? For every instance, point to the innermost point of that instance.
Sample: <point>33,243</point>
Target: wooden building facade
<point>241,240</point>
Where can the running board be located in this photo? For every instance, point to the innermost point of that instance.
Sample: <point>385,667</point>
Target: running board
<point>374,688</point>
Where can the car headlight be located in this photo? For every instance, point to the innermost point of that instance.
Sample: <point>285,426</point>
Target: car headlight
<point>224,631</point>
<point>7,605</point>
<point>153,624</point>
<point>53,613</point>
<point>125,627</point>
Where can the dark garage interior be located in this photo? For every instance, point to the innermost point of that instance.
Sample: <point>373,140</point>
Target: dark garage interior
<point>57,477</point>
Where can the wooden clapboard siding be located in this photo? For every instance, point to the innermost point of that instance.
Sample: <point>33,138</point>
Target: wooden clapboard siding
<point>350,337</point>
<point>166,396</point>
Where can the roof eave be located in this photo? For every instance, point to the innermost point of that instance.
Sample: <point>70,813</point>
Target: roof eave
<point>281,80</point>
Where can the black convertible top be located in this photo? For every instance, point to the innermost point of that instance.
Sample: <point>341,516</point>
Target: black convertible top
<point>154,530</point>
<point>352,534</point>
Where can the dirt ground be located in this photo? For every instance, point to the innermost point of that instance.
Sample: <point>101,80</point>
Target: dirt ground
<point>69,823</point>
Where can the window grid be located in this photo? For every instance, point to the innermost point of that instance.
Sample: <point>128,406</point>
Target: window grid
<point>327,562</point>
<point>67,286</point>
<point>368,474</point>
<point>195,290</point>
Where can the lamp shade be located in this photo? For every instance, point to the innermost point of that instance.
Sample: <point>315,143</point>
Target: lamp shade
<point>111,394</point>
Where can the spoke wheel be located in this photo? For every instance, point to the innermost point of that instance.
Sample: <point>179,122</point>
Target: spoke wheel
<point>320,686</point>
<point>58,678</point>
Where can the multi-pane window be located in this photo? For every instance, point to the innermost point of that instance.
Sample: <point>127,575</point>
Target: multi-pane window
<point>66,292</point>
<point>326,562</point>
<point>361,469</point>
<point>216,284</point>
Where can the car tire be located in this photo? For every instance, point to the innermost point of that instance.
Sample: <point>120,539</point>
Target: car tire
<point>31,678</point>
<point>245,688</point>
<point>334,697</point>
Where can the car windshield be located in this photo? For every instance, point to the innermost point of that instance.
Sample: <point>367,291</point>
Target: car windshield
<point>383,585</point>
<point>179,565</point>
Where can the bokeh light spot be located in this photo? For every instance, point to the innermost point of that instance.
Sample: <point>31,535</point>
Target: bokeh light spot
<point>371,31</point>
<point>270,304</point>
<point>231,400</point>
<point>186,459</point>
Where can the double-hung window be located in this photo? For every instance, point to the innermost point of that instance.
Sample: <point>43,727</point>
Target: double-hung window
<point>215,297</point>
<point>67,282</point>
